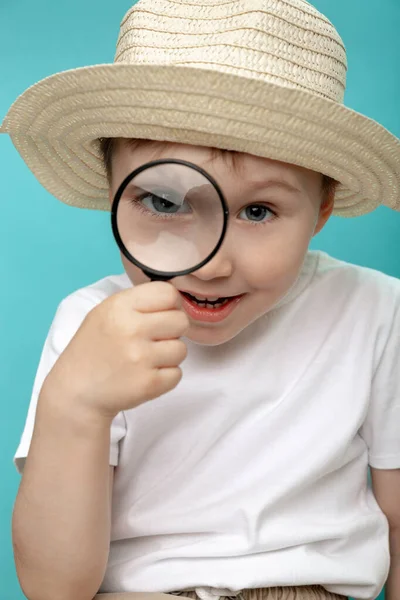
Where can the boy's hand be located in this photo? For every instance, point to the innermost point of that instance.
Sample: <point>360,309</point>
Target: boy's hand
<point>126,352</point>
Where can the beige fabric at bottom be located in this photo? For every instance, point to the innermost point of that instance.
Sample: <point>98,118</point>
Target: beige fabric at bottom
<point>312,592</point>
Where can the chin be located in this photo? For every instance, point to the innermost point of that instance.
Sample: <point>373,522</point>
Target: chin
<point>211,336</point>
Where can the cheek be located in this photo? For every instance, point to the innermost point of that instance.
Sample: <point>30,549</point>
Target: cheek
<point>134,273</point>
<point>274,260</point>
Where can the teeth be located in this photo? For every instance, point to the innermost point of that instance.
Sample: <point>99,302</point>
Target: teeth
<point>207,303</point>
<point>210,306</point>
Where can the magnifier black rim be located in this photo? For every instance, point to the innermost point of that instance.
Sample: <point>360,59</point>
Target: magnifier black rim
<point>166,275</point>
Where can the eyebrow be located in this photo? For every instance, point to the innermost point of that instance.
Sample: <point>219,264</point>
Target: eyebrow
<point>275,183</point>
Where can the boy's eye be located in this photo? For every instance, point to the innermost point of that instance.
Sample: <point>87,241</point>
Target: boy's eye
<point>163,205</point>
<point>159,204</point>
<point>257,213</point>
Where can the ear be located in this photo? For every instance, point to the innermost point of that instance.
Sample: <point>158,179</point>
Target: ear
<point>325,211</point>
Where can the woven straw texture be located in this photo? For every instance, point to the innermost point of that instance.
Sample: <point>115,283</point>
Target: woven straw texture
<point>266,77</point>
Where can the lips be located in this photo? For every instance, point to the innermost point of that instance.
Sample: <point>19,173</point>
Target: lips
<point>207,310</point>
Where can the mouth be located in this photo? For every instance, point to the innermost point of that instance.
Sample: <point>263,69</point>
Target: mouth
<point>209,310</point>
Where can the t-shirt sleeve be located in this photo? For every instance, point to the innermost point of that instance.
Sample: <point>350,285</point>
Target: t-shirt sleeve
<point>381,428</point>
<point>68,318</point>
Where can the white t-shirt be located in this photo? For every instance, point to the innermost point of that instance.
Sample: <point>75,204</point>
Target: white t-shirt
<point>253,471</point>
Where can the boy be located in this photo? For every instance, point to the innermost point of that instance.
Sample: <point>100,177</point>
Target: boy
<point>249,478</point>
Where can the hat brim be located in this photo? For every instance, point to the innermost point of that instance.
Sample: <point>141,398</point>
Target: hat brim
<point>55,126</point>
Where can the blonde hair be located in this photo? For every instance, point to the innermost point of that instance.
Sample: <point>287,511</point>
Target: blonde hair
<point>108,145</point>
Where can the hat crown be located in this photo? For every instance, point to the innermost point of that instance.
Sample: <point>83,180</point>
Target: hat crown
<point>284,42</point>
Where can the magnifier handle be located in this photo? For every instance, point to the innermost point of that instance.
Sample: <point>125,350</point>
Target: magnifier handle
<point>153,277</point>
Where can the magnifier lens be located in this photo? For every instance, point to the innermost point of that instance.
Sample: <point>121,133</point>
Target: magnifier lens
<point>170,217</point>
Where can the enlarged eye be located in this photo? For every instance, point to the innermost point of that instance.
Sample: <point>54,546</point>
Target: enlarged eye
<point>163,204</point>
<point>257,213</point>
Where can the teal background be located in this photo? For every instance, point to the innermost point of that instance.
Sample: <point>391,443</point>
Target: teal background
<point>49,250</point>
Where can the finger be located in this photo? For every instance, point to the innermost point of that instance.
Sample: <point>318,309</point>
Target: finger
<point>163,381</point>
<point>168,325</point>
<point>154,296</point>
<point>168,353</point>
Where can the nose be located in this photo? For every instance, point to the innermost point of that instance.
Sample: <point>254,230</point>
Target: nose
<point>221,265</point>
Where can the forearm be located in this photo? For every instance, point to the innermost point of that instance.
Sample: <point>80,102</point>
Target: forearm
<point>61,520</point>
<point>393,582</point>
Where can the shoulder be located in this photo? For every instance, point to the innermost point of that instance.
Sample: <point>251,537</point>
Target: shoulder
<point>356,301</point>
<point>75,307</point>
<point>86,298</point>
<point>352,305</point>
<point>342,280</point>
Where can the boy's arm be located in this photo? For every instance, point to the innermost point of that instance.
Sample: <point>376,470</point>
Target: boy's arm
<point>386,486</point>
<point>62,514</point>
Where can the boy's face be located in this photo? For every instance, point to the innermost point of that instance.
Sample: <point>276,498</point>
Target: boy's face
<point>259,260</point>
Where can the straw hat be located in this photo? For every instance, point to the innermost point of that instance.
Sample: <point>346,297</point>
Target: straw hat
<point>265,77</point>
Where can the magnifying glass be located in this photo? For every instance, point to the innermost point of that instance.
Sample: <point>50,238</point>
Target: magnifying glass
<point>169,218</point>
